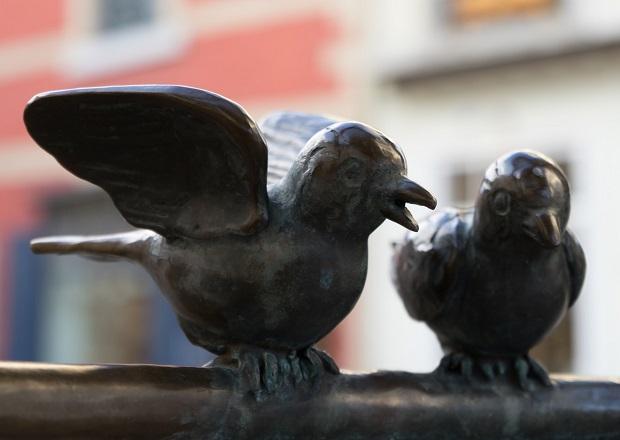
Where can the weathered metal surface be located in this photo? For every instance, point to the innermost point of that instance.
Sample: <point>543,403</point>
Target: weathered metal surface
<point>155,402</point>
<point>492,281</point>
<point>244,265</point>
<point>259,273</point>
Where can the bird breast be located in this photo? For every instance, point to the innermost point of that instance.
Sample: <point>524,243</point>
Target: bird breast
<point>277,288</point>
<point>508,304</point>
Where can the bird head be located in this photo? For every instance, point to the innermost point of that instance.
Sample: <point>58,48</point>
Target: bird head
<point>524,196</point>
<point>352,177</point>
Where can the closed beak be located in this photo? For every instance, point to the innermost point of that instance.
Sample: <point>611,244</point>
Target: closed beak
<point>544,228</point>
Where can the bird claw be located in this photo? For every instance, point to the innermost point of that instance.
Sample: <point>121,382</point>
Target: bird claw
<point>460,362</point>
<point>270,372</point>
<point>328,363</point>
<point>488,369</point>
<point>249,369</point>
<point>529,371</point>
<point>493,368</point>
<point>526,370</point>
<point>263,372</point>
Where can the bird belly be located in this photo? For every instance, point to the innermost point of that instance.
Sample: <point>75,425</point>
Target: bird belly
<point>274,296</point>
<point>506,309</point>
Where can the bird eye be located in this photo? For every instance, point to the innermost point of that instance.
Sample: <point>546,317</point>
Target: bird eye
<point>538,172</point>
<point>501,203</point>
<point>352,171</point>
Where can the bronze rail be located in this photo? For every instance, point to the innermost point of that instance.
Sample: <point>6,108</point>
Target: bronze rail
<point>142,401</point>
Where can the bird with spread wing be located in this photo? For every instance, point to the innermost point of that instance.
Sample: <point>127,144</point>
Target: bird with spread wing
<point>256,273</point>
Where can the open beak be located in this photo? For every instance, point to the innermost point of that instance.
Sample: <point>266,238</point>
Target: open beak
<point>407,191</point>
<point>544,228</point>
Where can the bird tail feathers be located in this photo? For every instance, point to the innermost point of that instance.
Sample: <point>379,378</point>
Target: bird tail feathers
<point>126,245</point>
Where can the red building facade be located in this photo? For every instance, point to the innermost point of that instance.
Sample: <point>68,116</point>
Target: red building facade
<point>265,55</point>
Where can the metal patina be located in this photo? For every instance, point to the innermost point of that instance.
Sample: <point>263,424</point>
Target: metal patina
<point>255,273</point>
<point>493,280</point>
<point>257,235</point>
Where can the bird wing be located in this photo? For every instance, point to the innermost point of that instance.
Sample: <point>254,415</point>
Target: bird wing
<point>286,134</point>
<point>426,265</point>
<point>177,160</point>
<point>576,260</point>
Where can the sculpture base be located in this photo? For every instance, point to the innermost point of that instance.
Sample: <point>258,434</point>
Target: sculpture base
<point>147,401</point>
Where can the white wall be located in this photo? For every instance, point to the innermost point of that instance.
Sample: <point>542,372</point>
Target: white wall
<point>419,36</point>
<point>568,109</point>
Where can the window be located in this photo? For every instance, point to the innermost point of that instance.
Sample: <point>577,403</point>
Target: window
<point>122,14</point>
<point>71,309</point>
<point>113,36</point>
<point>471,11</point>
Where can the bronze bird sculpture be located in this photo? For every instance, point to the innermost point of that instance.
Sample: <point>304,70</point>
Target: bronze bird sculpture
<point>492,281</point>
<point>255,273</point>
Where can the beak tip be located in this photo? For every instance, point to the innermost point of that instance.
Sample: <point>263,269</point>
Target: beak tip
<point>545,228</point>
<point>400,215</point>
<point>410,192</point>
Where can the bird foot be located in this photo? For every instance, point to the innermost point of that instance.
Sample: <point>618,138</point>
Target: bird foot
<point>268,372</point>
<point>522,371</point>
<point>530,373</point>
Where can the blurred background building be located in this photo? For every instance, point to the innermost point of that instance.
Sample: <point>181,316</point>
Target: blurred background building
<point>456,82</point>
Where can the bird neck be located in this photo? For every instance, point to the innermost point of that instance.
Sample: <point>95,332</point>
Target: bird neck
<point>303,206</point>
<point>498,236</point>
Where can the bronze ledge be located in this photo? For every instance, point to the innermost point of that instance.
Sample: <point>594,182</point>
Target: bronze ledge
<point>148,401</point>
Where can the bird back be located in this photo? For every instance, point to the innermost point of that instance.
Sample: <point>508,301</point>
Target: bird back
<point>286,134</point>
<point>426,265</point>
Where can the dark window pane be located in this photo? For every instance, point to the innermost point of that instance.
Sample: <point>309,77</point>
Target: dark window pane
<point>121,14</point>
<point>94,312</point>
